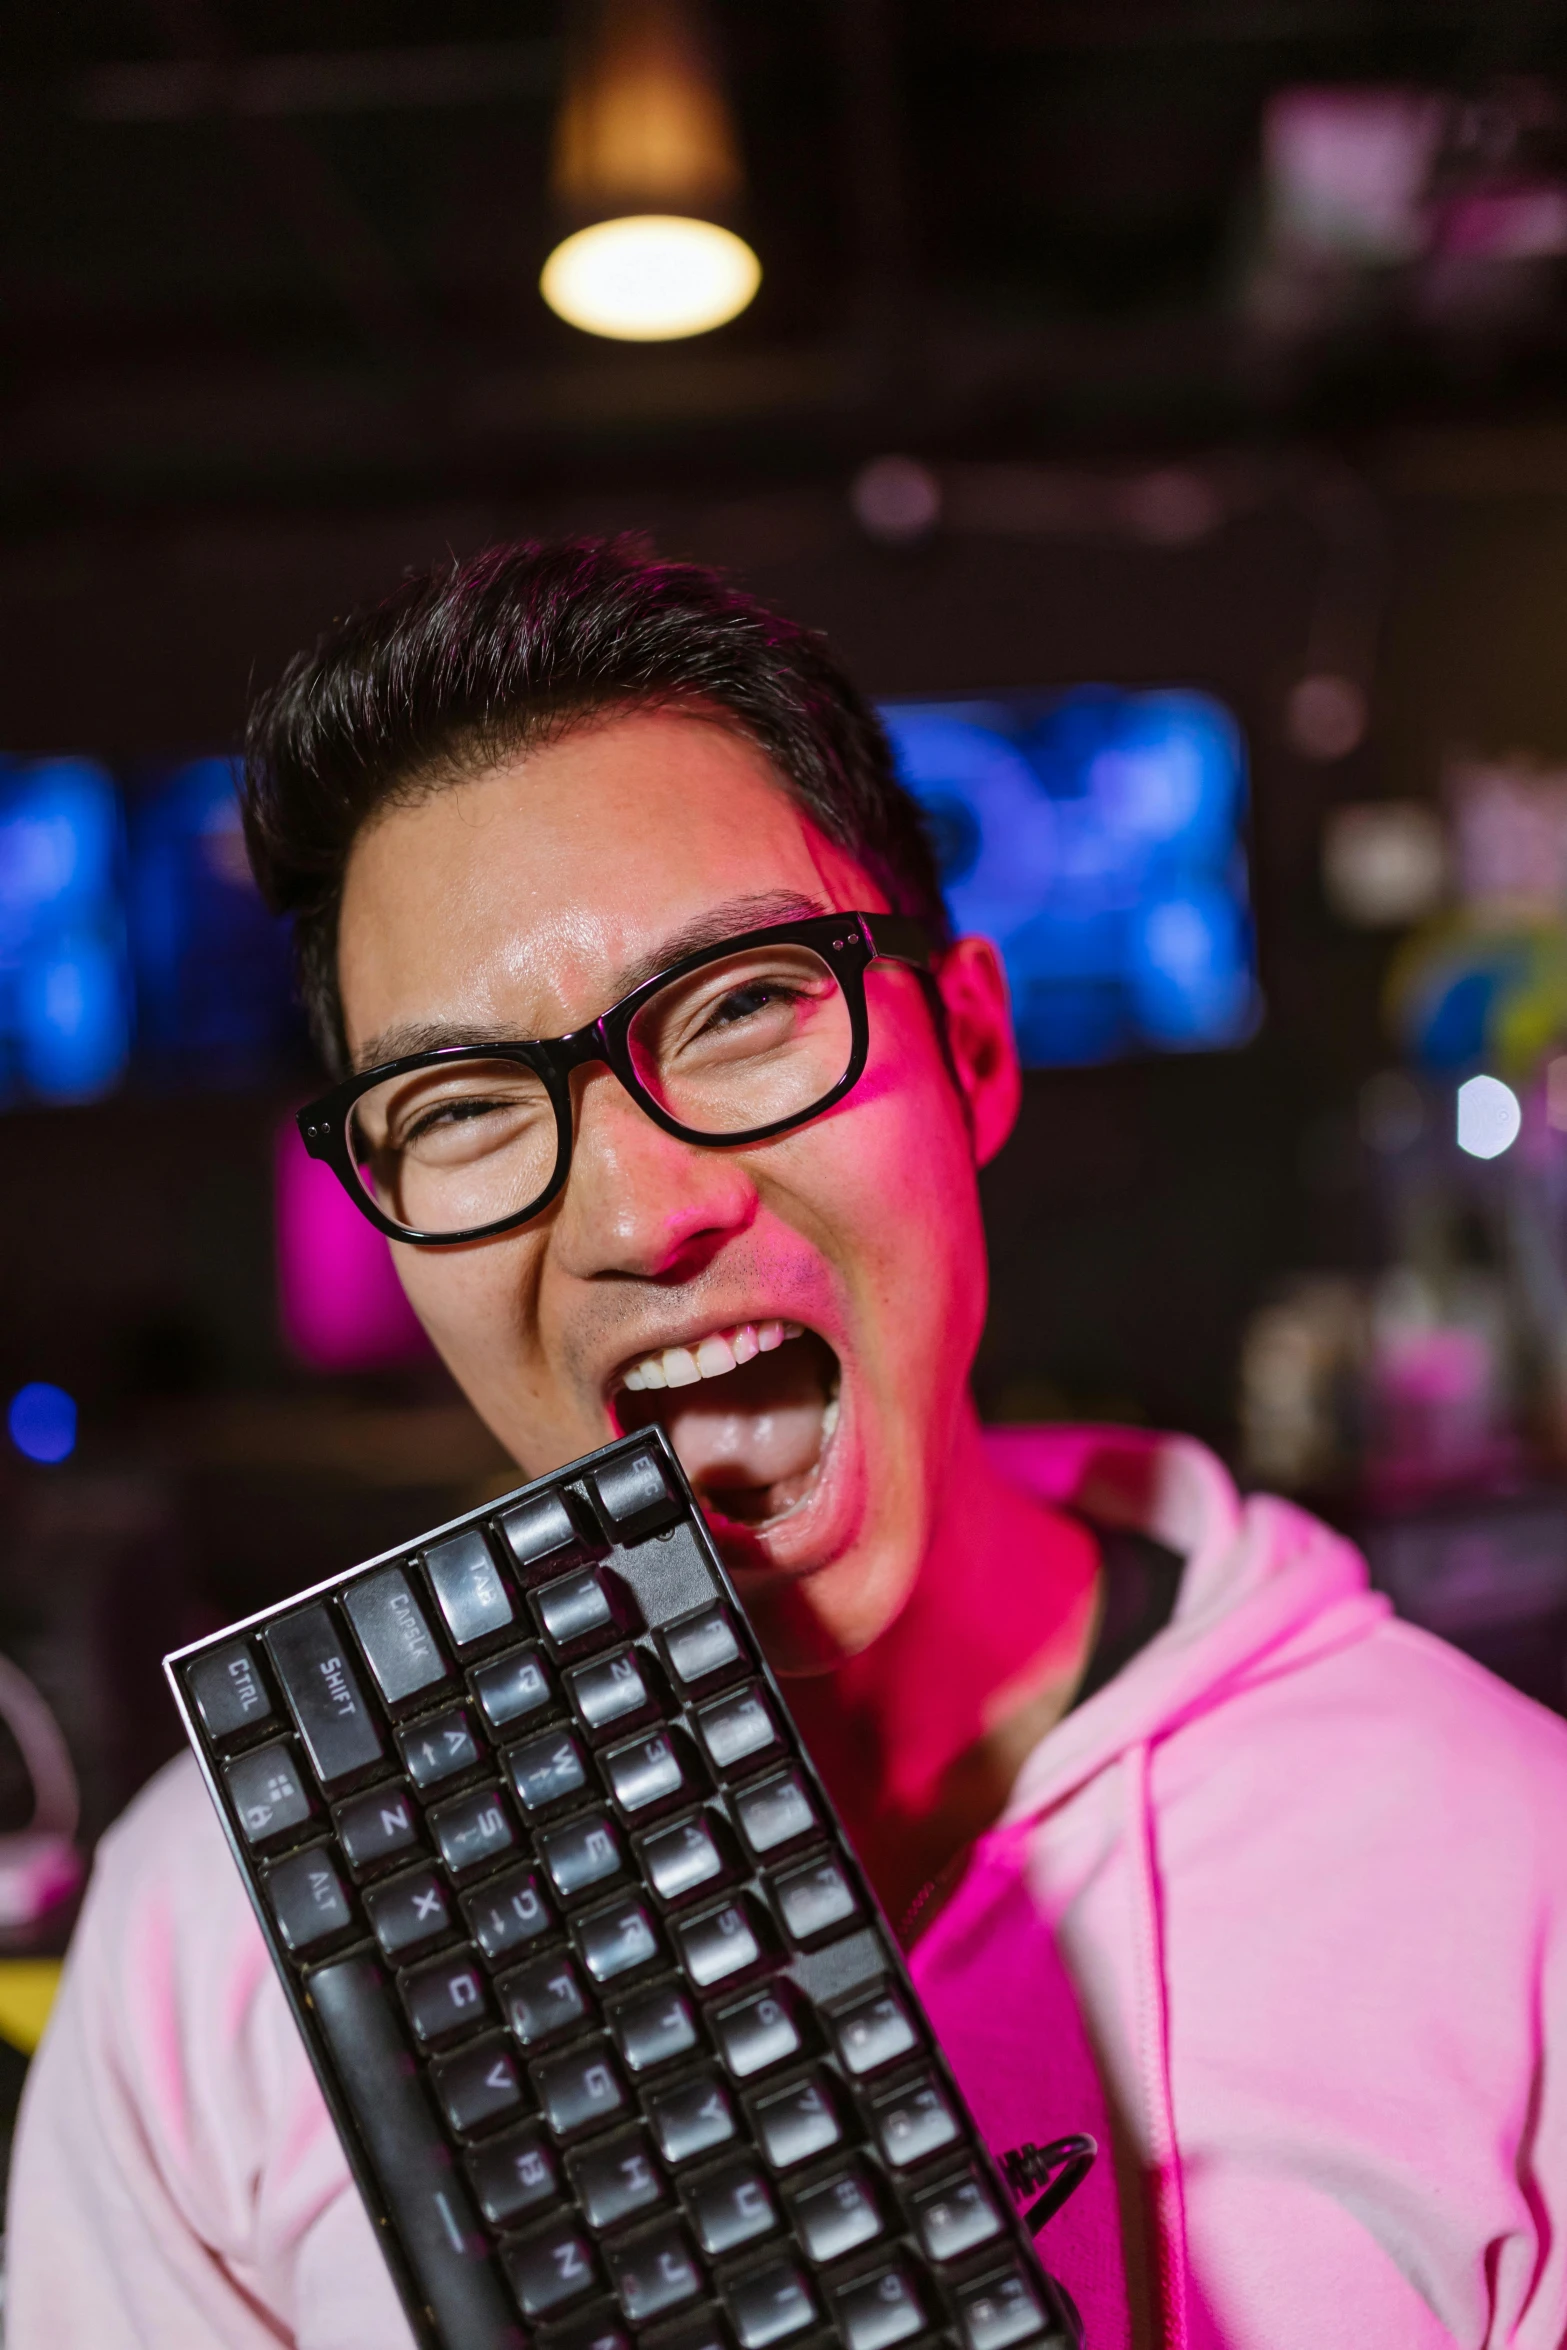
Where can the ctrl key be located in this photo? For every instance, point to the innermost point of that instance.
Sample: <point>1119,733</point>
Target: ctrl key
<point>269,1794</point>
<point>305,1895</point>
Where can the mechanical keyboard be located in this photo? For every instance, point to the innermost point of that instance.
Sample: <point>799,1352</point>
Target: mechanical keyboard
<point>620,2047</point>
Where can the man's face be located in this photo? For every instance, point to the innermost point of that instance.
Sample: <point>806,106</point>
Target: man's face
<point>522,904</point>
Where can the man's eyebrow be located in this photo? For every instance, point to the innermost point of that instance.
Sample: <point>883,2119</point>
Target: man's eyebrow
<point>730,920</point>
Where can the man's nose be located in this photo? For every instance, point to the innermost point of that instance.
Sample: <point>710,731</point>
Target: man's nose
<point>641,1202</point>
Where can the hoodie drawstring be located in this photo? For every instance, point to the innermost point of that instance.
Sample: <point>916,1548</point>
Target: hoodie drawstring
<point>1169,2210</point>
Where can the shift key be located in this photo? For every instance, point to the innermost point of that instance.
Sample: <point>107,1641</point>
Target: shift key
<point>325,1696</point>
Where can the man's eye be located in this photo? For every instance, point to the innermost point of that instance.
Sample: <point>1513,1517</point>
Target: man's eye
<point>452,1113</point>
<point>743,1003</point>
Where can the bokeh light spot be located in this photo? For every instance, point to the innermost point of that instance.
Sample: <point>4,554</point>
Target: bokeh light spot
<point>42,1422</point>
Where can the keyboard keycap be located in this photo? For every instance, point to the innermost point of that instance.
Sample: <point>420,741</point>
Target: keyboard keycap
<point>602,2328</point>
<point>410,1915</point>
<point>609,1692</point>
<point>542,1999</point>
<point>441,1749</point>
<point>650,1771</point>
<point>305,1895</point>
<point>702,1647</point>
<point>795,2124</point>
<point>270,1794</point>
<point>574,1609</point>
<point>815,1899</point>
<point>579,2089</point>
<point>617,1939</point>
<point>653,2028</point>
<point>913,2123</point>
<point>840,2214</point>
<point>999,2310</point>
<point>515,2175</point>
<point>776,1813</point>
<point>654,2272</point>
<point>395,1636</point>
<point>551,2269</point>
<point>541,1535</point>
<point>446,1998</point>
<point>738,1731</point>
<point>634,1496</point>
<point>874,2032</point>
<point>325,1696</point>
<point>468,1590</point>
<point>479,2086</point>
<point>721,1943</point>
<point>771,2303</point>
<point>509,1914</point>
<point>680,1860</point>
<point>514,1688</point>
<point>546,1770</point>
<point>615,2178</point>
<point>378,1828</point>
<point>957,2216</point>
<point>692,2117</point>
<point>230,1697</point>
<point>878,2310</point>
<point>581,1854</point>
<point>473,1830</point>
<point>731,2206</point>
<point>760,2032</point>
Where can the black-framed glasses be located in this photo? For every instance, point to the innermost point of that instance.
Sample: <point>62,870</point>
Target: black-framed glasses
<point>732,1045</point>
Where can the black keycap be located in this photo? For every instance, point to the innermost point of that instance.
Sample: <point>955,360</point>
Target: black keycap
<point>573,1609</point>
<point>325,1696</point>
<point>838,2215</point>
<point>509,1914</point>
<point>703,2331</point>
<point>542,1999</point>
<point>957,2216</point>
<point>692,2117</point>
<point>654,2272</point>
<point>442,1749</point>
<point>514,1688</point>
<point>878,2310</point>
<point>437,2228</point>
<point>702,1647</point>
<point>759,2032</point>
<point>770,2303</point>
<point>305,1895</point>
<point>541,1535</point>
<point>617,1939</point>
<point>230,1697</point>
<point>581,1854</point>
<point>593,2329</point>
<point>270,1793</point>
<point>999,2310</point>
<point>552,2268</point>
<point>874,2032</point>
<point>546,1770</point>
<point>446,1998</point>
<point>473,1830</point>
<point>515,2175</point>
<point>468,1590</point>
<point>731,2206</point>
<point>378,1828</point>
<point>609,1692</point>
<point>721,1943</point>
<point>653,2028</point>
<point>795,2124</point>
<point>775,1813</point>
<point>479,2086</point>
<point>634,1496</point>
<point>815,1899</point>
<point>684,1858</point>
<point>913,2123</point>
<point>617,2177</point>
<point>395,1636</point>
<point>650,1771</point>
<point>410,1915</point>
<point>579,2089</point>
<point>738,1731</point>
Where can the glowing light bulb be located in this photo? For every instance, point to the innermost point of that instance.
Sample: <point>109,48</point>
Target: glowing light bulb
<point>1489,1117</point>
<point>650,277</point>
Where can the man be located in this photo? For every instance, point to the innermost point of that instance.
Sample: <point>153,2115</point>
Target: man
<point>1303,1867</point>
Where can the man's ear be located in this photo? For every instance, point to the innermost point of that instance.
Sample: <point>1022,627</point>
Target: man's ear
<point>973,987</point>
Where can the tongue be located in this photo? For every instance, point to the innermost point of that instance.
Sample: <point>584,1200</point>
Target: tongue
<point>751,1439</point>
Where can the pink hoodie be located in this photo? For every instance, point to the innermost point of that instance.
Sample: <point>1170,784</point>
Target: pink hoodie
<point>1306,1869</point>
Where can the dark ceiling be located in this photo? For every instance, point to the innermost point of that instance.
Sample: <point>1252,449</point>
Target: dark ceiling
<point>257,254</point>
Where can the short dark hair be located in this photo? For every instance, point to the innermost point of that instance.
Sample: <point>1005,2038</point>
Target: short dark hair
<point>471,662</point>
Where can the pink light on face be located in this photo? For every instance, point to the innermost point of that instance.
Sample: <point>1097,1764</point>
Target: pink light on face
<point>340,1303</point>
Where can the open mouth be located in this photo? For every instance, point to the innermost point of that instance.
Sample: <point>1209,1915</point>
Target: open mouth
<point>750,1410</point>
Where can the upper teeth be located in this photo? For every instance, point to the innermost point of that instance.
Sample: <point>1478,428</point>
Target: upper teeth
<point>710,1358</point>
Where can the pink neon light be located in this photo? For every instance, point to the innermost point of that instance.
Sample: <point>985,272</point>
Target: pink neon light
<point>340,1304</point>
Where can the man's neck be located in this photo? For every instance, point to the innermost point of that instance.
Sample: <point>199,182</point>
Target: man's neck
<point>921,1736</point>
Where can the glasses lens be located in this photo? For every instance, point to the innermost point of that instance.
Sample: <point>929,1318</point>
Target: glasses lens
<point>455,1147</point>
<point>756,1037</point>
